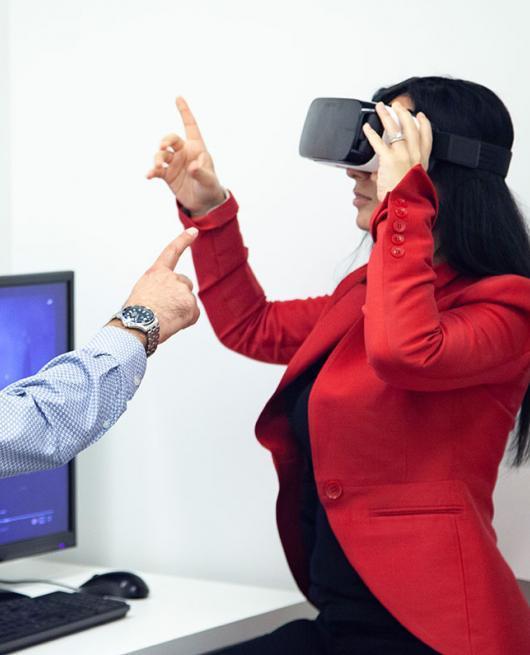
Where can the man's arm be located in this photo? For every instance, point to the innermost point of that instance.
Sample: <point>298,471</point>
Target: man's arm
<point>47,419</point>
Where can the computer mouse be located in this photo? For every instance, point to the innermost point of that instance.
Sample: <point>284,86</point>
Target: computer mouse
<point>121,584</point>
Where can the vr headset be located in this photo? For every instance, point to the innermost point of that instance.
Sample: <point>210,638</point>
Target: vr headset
<point>333,134</point>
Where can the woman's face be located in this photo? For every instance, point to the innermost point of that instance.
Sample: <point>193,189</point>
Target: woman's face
<point>365,189</point>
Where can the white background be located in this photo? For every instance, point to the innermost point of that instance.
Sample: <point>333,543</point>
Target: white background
<point>180,485</point>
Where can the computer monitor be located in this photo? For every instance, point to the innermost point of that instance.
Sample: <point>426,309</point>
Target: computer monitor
<point>37,510</point>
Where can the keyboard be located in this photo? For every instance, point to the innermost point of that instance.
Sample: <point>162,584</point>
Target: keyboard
<point>28,621</point>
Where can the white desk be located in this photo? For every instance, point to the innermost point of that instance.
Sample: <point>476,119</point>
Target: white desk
<point>182,616</point>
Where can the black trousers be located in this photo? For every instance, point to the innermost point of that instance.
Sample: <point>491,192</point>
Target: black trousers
<point>318,637</point>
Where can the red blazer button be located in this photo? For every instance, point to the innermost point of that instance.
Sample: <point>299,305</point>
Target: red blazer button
<point>400,211</point>
<point>399,226</point>
<point>396,251</point>
<point>400,201</point>
<point>397,238</point>
<point>333,489</point>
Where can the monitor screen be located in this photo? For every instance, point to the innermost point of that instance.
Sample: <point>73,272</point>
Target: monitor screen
<point>36,509</point>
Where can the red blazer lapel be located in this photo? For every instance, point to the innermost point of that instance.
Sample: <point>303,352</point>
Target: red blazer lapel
<point>340,315</point>
<point>342,312</point>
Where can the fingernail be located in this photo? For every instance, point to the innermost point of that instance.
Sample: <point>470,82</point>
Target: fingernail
<point>192,231</point>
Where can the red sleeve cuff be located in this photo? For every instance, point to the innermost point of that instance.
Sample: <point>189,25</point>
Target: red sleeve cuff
<point>415,188</point>
<point>213,219</point>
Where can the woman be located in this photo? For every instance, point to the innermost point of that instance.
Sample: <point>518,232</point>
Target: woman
<point>401,389</point>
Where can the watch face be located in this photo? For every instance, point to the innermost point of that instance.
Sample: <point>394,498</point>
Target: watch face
<point>138,314</point>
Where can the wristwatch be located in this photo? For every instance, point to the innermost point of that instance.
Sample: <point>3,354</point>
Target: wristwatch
<point>138,317</point>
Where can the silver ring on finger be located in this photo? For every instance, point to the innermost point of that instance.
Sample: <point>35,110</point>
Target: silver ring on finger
<point>398,136</point>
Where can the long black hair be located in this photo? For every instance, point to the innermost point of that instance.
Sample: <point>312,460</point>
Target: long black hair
<point>480,230</point>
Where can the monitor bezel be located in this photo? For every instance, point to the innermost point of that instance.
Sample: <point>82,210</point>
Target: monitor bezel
<point>65,539</point>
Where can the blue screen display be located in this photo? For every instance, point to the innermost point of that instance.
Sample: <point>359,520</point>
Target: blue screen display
<point>33,330</point>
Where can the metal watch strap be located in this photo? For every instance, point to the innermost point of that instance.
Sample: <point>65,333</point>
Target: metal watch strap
<point>153,335</point>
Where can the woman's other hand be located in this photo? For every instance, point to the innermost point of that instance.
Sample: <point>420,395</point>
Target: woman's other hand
<point>187,167</point>
<point>396,159</point>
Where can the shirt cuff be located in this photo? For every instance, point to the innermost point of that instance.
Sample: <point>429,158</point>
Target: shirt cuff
<point>212,220</point>
<point>128,352</point>
<point>414,189</point>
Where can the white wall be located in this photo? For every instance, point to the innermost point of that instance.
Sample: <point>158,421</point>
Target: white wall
<point>180,485</point>
<point>4,138</point>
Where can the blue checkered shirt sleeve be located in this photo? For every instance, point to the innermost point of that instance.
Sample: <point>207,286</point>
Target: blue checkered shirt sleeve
<point>48,418</point>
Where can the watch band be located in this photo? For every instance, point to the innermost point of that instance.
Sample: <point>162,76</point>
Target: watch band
<point>153,335</point>
<point>152,330</point>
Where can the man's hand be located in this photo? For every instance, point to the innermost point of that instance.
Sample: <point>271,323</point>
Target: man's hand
<point>187,167</point>
<point>167,293</point>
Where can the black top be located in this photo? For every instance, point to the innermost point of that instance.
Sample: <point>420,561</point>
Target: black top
<point>336,589</point>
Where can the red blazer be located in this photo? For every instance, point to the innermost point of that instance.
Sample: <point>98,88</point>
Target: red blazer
<point>409,417</point>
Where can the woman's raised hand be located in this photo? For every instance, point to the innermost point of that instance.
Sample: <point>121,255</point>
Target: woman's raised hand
<point>187,167</point>
<point>395,160</point>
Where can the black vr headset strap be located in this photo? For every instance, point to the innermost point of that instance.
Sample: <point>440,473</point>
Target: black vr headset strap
<point>470,153</point>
